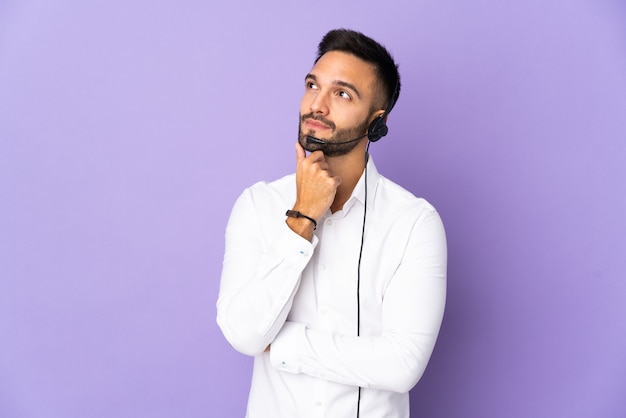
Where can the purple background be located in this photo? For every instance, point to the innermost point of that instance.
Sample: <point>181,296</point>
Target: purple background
<point>128,128</point>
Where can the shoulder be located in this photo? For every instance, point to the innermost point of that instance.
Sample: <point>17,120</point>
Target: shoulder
<point>404,222</point>
<point>393,198</point>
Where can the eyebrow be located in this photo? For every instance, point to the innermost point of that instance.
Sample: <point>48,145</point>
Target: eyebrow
<point>337,83</point>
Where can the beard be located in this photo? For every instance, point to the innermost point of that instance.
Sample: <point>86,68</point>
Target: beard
<point>330,148</point>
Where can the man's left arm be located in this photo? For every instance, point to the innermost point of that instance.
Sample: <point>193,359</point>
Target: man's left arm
<point>412,312</point>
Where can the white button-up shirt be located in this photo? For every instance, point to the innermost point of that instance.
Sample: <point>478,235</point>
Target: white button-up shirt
<point>301,297</point>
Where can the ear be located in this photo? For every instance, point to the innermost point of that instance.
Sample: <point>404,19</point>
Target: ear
<point>376,115</point>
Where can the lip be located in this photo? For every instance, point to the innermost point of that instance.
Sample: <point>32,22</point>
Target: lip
<point>315,125</point>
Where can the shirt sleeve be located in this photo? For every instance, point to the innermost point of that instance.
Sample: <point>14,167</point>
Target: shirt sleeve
<point>412,311</point>
<point>260,275</point>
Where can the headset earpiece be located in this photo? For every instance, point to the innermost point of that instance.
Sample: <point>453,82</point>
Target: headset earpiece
<point>378,128</point>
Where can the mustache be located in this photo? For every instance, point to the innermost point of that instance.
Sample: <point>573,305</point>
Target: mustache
<point>320,118</point>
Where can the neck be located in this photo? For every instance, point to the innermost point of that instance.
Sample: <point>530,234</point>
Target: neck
<point>350,168</point>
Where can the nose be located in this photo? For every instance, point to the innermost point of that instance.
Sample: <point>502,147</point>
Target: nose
<point>319,104</point>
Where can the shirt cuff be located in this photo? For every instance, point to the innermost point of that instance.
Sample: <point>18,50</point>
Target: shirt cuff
<point>284,348</point>
<point>291,246</point>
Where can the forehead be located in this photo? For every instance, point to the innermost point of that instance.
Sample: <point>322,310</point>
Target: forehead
<point>340,66</point>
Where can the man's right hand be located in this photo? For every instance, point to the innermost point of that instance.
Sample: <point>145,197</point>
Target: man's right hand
<point>315,186</point>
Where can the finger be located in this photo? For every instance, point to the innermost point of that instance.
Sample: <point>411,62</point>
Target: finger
<point>300,154</point>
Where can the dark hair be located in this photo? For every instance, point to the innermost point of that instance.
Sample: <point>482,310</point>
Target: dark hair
<point>367,49</point>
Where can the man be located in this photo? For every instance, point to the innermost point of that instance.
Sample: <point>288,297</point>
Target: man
<point>340,298</point>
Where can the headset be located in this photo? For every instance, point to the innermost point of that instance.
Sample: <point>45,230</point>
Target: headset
<point>378,128</point>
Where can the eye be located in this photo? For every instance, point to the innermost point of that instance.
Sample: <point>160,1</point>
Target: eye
<point>344,94</point>
<point>311,85</point>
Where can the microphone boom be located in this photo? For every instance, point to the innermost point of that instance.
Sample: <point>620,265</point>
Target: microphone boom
<point>313,140</point>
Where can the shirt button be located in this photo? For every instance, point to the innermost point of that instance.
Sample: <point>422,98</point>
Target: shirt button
<point>329,221</point>
<point>318,403</point>
<point>323,311</point>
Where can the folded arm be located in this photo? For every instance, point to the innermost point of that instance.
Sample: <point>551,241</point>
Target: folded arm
<point>412,311</point>
<point>259,278</point>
